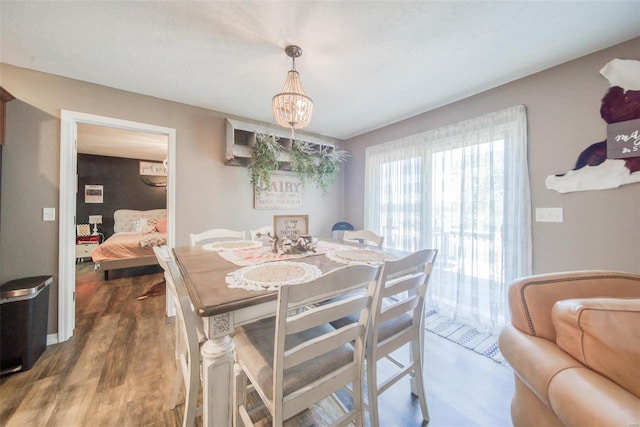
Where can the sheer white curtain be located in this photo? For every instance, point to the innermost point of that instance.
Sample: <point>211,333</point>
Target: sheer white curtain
<point>463,189</point>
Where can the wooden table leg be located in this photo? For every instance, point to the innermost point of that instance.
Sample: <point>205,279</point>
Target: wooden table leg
<point>217,379</point>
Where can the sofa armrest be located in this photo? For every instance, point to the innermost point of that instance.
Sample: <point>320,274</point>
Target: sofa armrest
<point>576,395</point>
<point>582,397</point>
<point>531,299</point>
<point>534,360</point>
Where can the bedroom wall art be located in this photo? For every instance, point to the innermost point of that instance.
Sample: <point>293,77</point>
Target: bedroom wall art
<point>93,193</point>
<point>153,173</point>
<point>616,160</point>
<point>153,168</point>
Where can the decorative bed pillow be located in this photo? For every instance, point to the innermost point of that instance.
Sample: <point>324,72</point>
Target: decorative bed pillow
<point>136,224</point>
<point>153,239</point>
<point>124,217</point>
<point>83,229</point>
<point>161,225</point>
<point>141,225</point>
<point>153,221</point>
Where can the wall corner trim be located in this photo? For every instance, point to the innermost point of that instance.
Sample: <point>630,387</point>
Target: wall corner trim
<point>52,339</point>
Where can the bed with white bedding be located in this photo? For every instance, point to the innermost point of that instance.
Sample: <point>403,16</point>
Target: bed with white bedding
<point>135,234</point>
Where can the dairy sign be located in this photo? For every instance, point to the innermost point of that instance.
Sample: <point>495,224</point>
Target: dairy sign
<point>623,139</point>
<point>285,192</point>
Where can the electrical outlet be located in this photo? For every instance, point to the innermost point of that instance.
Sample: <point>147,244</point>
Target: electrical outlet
<point>549,215</point>
<point>48,214</point>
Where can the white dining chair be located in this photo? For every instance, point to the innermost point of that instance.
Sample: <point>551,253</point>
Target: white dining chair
<point>397,320</point>
<point>263,232</point>
<point>298,359</point>
<point>216,233</point>
<point>363,236</point>
<point>189,337</point>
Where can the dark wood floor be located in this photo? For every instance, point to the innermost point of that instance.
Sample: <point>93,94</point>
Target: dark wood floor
<point>118,370</point>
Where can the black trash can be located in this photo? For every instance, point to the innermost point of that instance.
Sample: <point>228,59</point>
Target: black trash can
<point>24,314</point>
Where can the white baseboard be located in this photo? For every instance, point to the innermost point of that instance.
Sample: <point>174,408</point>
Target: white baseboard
<point>52,339</point>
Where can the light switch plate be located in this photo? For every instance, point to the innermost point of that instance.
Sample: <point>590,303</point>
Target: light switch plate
<point>48,214</point>
<point>549,215</point>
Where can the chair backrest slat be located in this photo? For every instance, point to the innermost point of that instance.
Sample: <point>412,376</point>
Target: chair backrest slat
<point>312,318</point>
<point>321,345</point>
<point>343,281</point>
<point>399,308</point>
<point>407,284</point>
<point>394,342</point>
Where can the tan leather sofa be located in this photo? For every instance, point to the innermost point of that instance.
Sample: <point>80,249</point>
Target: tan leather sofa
<point>574,346</point>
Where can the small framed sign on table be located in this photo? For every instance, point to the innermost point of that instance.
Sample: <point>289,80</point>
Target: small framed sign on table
<point>290,226</point>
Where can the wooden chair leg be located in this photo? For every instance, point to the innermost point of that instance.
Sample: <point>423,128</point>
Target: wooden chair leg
<point>239,395</point>
<point>418,379</point>
<point>176,385</point>
<point>372,392</point>
<point>191,387</point>
<point>357,391</point>
<point>179,343</point>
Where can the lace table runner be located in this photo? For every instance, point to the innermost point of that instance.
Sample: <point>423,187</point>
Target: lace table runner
<point>271,275</point>
<point>232,245</point>
<point>260,255</point>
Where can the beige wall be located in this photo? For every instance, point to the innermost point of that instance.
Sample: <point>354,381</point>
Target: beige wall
<point>30,182</point>
<point>208,193</point>
<point>601,229</point>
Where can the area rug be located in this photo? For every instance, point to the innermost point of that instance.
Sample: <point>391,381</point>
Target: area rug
<point>464,335</point>
<point>155,290</point>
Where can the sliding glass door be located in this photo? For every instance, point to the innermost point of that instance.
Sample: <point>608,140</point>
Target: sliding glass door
<point>463,190</point>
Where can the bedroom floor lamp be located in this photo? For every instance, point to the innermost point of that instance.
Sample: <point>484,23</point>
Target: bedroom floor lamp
<point>95,220</point>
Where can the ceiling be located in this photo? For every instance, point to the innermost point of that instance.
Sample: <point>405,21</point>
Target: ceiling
<point>115,142</point>
<point>365,64</point>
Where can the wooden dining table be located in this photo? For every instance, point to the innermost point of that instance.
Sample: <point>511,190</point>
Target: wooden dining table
<point>224,309</point>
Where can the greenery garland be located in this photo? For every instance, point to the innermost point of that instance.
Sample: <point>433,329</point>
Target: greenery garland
<point>328,167</point>
<point>263,161</point>
<point>308,162</point>
<point>303,160</point>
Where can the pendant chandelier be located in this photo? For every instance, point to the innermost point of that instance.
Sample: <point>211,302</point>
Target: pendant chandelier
<point>292,108</point>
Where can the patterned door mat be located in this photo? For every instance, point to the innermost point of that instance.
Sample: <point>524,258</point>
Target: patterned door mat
<point>464,335</point>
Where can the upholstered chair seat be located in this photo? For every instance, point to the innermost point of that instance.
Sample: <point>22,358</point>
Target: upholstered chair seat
<point>256,344</point>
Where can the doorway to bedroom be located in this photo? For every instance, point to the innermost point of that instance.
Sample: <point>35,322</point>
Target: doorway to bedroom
<point>111,165</point>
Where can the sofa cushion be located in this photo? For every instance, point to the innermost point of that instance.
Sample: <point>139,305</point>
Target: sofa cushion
<point>603,334</point>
